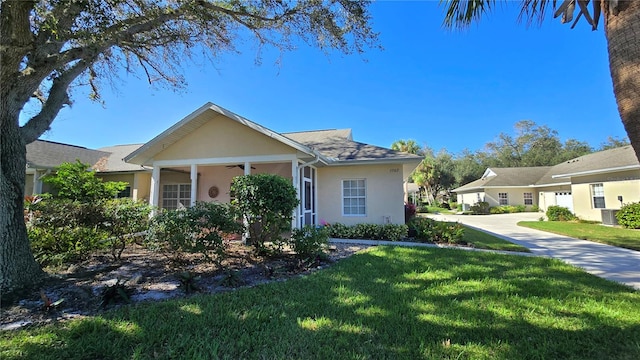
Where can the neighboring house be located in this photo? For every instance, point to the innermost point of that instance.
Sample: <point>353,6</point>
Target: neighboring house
<point>113,168</point>
<point>586,185</point>
<point>337,179</point>
<point>44,156</point>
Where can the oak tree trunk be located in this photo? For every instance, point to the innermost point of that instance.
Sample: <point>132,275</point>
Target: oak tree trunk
<point>623,37</point>
<point>18,269</point>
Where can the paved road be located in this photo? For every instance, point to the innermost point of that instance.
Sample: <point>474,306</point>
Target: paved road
<point>606,261</point>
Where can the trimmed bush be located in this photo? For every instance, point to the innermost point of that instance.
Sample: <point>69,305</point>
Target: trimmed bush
<point>391,232</point>
<point>559,213</point>
<point>629,216</point>
<point>429,230</point>
<point>266,202</point>
<point>124,218</point>
<point>310,241</point>
<point>480,208</point>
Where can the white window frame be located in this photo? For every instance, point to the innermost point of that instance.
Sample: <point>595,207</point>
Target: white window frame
<point>505,198</point>
<point>354,197</point>
<point>597,191</point>
<point>528,196</point>
<point>185,201</point>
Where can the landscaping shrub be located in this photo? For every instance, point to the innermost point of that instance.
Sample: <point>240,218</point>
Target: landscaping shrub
<point>339,231</point>
<point>559,213</point>
<point>507,209</point>
<point>62,230</point>
<point>266,202</point>
<point>480,208</point>
<point>391,232</point>
<point>198,229</point>
<point>520,208</point>
<point>535,208</point>
<point>498,210</point>
<point>629,216</point>
<point>438,231</point>
<point>123,219</point>
<point>310,241</point>
<point>75,181</point>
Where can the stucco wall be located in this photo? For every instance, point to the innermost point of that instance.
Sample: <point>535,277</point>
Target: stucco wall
<point>547,195</point>
<point>223,137</point>
<point>625,184</point>
<point>141,189</point>
<point>28,185</point>
<point>469,199</point>
<point>222,176</point>
<point>384,193</point>
<point>515,196</point>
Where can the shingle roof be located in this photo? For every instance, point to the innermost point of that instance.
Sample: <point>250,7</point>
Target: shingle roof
<point>508,177</point>
<point>617,159</point>
<point>337,145</point>
<point>43,154</point>
<point>115,161</point>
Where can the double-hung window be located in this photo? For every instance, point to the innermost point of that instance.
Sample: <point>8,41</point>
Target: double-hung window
<point>528,198</point>
<point>597,195</point>
<point>354,197</point>
<point>503,198</point>
<point>175,196</point>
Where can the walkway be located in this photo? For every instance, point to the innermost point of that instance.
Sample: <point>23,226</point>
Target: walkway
<point>606,261</point>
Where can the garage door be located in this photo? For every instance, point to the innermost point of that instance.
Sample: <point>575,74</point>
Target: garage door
<point>565,199</point>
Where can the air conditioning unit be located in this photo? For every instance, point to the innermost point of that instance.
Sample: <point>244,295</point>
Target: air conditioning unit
<point>609,217</point>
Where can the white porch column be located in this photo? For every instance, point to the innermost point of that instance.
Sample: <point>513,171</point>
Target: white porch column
<point>37,184</point>
<point>247,168</point>
<point>194,183</point>
<point>155,186</point>
<point>295,175</point>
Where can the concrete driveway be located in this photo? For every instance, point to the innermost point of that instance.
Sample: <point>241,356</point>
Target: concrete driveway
<point>605,261</point>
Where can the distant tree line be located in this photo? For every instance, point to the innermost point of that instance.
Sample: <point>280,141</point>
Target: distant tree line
<point>530,145</point>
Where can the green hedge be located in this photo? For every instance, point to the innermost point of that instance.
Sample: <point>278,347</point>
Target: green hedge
<point>391,232</point>
<point>629,216</point>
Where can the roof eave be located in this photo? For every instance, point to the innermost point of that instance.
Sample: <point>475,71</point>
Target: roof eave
<point>597,171</point>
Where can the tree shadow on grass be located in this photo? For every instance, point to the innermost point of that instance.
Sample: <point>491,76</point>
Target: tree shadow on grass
<point>387,303</point>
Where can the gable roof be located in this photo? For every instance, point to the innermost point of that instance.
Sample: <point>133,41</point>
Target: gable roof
<point>507,177</point>
<point>44,154</point>
<point>331,147</point>
<point>115,161</point>
<point>612,160</point>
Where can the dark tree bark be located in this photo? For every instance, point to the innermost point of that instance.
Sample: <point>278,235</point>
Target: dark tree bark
<point>18,269</point>
<point>623,37</point>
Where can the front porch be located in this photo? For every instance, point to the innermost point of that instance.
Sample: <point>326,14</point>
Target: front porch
<point>181,183</point>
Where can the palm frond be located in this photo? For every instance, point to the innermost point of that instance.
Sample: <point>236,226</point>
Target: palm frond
<point>461,13</point>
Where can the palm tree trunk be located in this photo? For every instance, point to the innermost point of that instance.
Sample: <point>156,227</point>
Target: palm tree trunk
<point>623,37</point>
<point>18,269</point>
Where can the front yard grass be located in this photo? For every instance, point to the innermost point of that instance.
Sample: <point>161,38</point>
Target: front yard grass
<point>482,240</point>
<point>385,303</point>
<point>624,238</point>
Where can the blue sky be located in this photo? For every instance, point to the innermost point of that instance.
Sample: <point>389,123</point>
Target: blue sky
<point>445,89</point>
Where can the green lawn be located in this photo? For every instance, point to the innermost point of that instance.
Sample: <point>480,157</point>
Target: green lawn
<point>625,238</point>
<point>385,303</point>
<point>482,240</point>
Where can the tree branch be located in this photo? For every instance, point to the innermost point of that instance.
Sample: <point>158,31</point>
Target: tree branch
<point>58,96</point>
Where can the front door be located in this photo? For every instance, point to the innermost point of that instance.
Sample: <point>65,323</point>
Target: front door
<point>307,214</point>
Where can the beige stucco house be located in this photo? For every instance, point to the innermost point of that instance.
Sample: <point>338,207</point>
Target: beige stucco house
<point>587,185</point>
<point>337,178</point>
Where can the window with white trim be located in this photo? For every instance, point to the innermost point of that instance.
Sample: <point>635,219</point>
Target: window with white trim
<point>354,197</point>
<point>528,198</point>
<point>503,198</point>
<point>597,195</point>
<point>175,196</point>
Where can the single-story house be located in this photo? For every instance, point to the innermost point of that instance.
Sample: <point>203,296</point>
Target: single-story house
<point>337,178</point>
<point>586,185</point>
